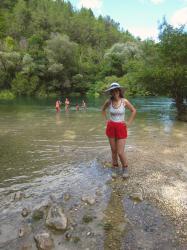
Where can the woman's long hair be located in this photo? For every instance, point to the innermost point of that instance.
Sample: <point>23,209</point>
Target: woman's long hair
<point>120,94</point>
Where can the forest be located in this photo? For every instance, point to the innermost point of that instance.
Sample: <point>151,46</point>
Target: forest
<point>50,48</point>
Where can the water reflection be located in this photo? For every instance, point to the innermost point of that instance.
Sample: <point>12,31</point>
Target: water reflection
<point>58,118</point>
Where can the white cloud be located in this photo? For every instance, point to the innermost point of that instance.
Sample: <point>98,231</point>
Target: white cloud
<point>144,33</point>
<point>157,1</point>
<point>179,17</point>
<point>153,1</point>
<point>92,4</point>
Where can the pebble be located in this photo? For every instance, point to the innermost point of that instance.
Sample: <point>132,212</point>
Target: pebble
<point>25,212</point>
<point>18,196</point>
<point>137,196</point>
<point>88,199</point>
<point>67,196</point>
<point>68,236</point>
<point>88,233</point>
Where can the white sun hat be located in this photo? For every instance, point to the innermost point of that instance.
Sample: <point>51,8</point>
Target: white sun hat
<point>114,85</point>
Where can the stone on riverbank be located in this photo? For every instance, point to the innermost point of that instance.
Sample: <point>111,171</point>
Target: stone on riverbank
<point>44,241</point>
<point>56,219</point>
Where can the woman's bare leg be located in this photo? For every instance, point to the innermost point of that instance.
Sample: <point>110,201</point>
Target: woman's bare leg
<point>113,147</point>
<point>121,152</point>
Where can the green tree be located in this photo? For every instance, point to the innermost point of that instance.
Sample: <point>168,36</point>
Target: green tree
<point>21,19</point>
<point>10,62</point>
<point>165,72</point>
<point>25,85</point>
<point>62,57</point>
<point>118,57</point>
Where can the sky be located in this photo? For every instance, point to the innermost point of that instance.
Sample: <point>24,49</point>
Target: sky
<point>139,17</point>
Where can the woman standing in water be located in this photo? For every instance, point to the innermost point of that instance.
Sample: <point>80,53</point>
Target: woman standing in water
<point>83,104</point>
<point>116,129</point>
<point>67,102</point>
<point>57,105</point>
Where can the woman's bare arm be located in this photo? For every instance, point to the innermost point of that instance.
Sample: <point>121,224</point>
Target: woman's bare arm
<point>104,107</point>
<point>133,112</point>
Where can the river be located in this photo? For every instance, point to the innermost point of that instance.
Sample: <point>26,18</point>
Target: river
<point>43,152</point>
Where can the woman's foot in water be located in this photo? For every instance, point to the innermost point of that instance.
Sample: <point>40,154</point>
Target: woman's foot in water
<point>125,172</point>
<point>115,170</point>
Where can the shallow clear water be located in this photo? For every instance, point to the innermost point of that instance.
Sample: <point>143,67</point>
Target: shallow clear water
<point>35,140</point>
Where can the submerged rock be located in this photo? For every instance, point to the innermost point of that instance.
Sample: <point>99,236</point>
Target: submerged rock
<point>26,246</point>
<point>98,192</point>
<point>67,196</point>
<point>24,230</point>
<point>87,218</point>
<point>44,241</point>
<point>25,212</point>
<point>68,236</point>
<point>56,219</point>
<point>17,196</point>
<point>137,196</point>
<point>38,214</point>
<point>21,232</point>
<point>53,199</point>
<point>88,199</point>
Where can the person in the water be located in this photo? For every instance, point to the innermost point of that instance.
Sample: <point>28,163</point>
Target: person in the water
<point>116,126</point>
<point>77,107</point>
<point>83,104</point>
<point>67,103</point>
<point>58,103</point>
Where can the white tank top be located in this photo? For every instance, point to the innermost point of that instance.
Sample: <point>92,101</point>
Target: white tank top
<point>117,114</point>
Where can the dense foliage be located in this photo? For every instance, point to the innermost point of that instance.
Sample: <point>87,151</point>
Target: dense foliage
<point>48,47</point>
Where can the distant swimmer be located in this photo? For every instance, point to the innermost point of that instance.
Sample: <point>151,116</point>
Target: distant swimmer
<point>77,107</point>
<point>58,103</point>
<point>83,104</point>
<point>67,103</point>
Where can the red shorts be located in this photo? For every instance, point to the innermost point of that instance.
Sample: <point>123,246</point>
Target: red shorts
<point>116,130</point>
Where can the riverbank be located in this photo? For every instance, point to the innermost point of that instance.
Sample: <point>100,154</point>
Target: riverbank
<point>146,211</point>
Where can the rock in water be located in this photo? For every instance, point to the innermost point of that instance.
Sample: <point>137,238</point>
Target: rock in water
<point>24,212</point>
<point>18,196</point>
<point>44,241</point>
<point>137,196</point>
<point>25,229</point>
<point>67,196</point>
<point>56,219</point>
<point>88,199</point>
<point>26,246</point>
<point>38,214</point>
